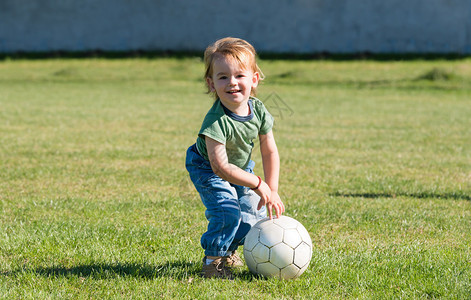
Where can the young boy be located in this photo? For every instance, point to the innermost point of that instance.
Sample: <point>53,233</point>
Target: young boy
<point>220,164</point>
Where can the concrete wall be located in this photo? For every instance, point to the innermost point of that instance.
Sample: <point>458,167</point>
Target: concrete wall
<point>302,26</point>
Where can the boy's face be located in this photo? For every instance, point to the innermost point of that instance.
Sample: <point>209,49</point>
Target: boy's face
<point>231,82</point>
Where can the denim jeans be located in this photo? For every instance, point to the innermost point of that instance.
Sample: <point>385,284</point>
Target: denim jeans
<point>231,210</point>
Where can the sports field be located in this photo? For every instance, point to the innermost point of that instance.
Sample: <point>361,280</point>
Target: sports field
<point>95,201</point>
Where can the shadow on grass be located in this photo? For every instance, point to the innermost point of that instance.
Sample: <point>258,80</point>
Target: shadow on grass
<point>419,195</point>
<point>179,270</point>
<point>176,270</point>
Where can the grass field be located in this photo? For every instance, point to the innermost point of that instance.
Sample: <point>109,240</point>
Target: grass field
<point>95,201</point>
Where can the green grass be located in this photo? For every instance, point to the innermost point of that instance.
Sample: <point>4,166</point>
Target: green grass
<point>95,201</point>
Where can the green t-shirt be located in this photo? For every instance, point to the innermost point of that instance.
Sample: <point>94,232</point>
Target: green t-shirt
<point>236,132</point>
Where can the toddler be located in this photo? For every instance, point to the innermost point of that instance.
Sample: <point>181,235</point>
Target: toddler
<point>220,164</point>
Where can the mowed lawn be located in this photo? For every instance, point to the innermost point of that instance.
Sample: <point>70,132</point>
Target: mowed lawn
<point>95,201</point>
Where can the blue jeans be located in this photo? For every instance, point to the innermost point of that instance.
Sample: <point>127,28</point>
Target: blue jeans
<point>230,209</point>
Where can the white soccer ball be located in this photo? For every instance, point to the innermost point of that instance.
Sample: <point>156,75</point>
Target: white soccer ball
<point>280,247</point>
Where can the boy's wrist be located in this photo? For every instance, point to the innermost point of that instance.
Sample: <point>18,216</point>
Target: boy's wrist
<point>273,187</point>
<point>258,185</point>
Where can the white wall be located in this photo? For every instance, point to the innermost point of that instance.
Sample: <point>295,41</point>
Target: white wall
<point>302,26</point>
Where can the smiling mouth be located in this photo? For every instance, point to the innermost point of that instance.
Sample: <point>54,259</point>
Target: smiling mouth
<point>233,91</point>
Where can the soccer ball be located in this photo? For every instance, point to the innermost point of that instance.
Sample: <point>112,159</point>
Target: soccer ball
<point>280,247</point>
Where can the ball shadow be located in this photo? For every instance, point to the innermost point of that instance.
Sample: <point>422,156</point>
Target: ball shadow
<point>178,270</point>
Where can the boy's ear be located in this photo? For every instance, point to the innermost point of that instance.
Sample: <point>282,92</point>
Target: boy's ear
<point>210,83</point>
<point>255,79</point>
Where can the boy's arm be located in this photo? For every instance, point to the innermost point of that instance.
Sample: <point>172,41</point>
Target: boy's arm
<point>271,169</point>
<point>235,175</point>
<point>270,160</point>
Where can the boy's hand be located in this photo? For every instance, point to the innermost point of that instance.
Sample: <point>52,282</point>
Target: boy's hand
<point>264,192</point>
<point>271,199</point>
<point>275,204</point>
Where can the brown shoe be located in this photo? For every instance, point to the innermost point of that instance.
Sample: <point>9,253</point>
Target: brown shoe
<point>234,260</point>
<point>216,269</point>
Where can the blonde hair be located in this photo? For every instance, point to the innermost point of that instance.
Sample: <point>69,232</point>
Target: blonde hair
<point>237,49</point>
